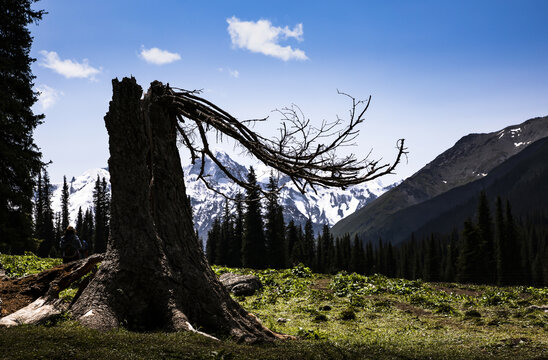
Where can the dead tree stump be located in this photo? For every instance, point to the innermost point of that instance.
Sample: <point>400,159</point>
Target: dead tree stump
<point>155,276</point>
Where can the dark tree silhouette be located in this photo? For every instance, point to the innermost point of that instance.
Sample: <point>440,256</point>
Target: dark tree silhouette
<point>20,158</point>
<point>65,220</point>
<point>154,274</point>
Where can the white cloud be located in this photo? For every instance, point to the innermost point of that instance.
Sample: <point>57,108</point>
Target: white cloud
<point>233,73</point>
<point>262,37</point>
<point>68,68</point>
<point>158,57</point>
<point>48,96</point>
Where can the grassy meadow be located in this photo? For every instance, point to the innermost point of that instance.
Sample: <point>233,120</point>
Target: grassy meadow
<point>342,316</point>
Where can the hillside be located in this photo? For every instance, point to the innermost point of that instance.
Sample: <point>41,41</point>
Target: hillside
<point>471,158</point>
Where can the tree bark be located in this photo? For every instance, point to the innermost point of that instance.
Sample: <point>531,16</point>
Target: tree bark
<point>155,276</point>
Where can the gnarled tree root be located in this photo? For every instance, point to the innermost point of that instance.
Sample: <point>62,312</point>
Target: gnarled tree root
<point>34,299</point>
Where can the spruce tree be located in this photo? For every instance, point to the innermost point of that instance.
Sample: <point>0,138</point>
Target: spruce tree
<point>488,272</point>
<point>253,240</point>
<point>225,238</point>
<point>517,256</point>
<point>79,221</point>
<point>20,157</point>
<point>293,249</point>
<point>357,256</point>
<point>213,236</point>
<point>235,248</point>
<point>274,227</point>
<point>101,203</point>
<point>304,250</point>
<point>469,267</point>
<point>65,205</point>
<point>46,231</point>
<point>88,229</point>
<point>325,255</point>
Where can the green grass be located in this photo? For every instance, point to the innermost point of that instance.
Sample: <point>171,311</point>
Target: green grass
<point>346,316</point>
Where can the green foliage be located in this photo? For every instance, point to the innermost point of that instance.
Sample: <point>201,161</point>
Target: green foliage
<point>346,316</point>
<point>22,265</point>
<point>344,284</point>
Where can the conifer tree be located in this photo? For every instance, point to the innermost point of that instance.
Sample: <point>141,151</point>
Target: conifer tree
<point>517,257</point>
<point>79,221</point>
<point>213,236</point>
<point>20,157</point>
<point>253,240</point>
<point>46,230</point>
<point>293,249</point>
<point>357,256</point>
<point>65,204</point>
<point>275,228</point>
<point>101,203</point>
<point>235,248</point>
<point>325,254</point>
<point>38,208</point>
<point>86,233</point>
<point>468,262</point>
<point>488,271</point>
<point>225,238</point>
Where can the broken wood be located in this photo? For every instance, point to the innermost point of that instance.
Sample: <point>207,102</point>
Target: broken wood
<point>35,298</point>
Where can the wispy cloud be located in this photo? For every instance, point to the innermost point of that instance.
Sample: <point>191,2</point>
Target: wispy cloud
<point>68,68</point>
<point>233,73</point>
<point>48,96</point>
<point>262,37</point>
<point>157,56</point>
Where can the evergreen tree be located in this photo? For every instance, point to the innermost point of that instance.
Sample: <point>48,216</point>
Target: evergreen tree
<point>101,203</point>
<point>235,248</point>
<point>325,255</point>
<point>293,248</point>
<point>431,260</point>
<point>86,233</point>
<point>65,205</point>
<point>357,256</point>
<point>253,240</point>
<point>516,257</point>
<point>488,272</point>
<point>79,221</point>
<point>275,229</point>
<point>225,238</point>
<point>468,262</point>
<point>304,250</point>
<point>38,207</point>
<point>213,236</point>
<point>20,158</point>
<point>46,230</point>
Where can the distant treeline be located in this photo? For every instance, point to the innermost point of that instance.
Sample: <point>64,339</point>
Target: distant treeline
<point>492,248</point>
<point>91,225</point>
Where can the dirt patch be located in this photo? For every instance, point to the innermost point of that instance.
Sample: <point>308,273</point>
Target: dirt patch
<point>322,285</point>
<point>411,309</point>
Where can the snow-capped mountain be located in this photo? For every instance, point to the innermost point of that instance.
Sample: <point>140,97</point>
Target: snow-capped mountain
<point>327,206</point>
<point>80,192</point>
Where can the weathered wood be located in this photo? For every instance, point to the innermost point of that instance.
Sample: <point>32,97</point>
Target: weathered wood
<point>35,298</point>
<point>155,275</point>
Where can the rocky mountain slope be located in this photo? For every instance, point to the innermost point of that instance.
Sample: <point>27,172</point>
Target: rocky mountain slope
<point>474,156</point>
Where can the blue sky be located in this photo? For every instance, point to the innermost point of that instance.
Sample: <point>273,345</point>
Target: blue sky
<point>436,70</point>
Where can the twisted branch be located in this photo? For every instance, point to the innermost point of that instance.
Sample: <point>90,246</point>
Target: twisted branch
<point>296,151</point>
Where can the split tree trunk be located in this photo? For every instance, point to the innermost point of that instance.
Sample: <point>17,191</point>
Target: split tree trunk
<point>155,276</point>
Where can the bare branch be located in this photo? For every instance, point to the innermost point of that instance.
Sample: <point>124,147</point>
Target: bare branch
<point>296,151</point>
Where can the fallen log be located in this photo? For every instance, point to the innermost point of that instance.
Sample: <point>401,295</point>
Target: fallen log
<point>35,298</point>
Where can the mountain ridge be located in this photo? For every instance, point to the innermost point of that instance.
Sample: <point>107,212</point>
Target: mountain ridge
<point>473,156</point>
